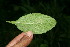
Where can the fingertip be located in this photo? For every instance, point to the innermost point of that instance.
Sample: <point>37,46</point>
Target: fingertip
<point>29,33</point>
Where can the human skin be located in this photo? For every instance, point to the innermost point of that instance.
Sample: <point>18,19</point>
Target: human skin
<point>22,40</point>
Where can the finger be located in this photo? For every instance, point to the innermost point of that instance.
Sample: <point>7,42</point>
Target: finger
<point>25,41</point>
<point>15,40</point>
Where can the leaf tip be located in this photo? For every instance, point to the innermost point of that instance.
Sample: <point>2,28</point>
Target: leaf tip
<point>13,22</point>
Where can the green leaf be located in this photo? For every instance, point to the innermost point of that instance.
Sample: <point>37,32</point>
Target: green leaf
<point>36,22</point>
<point>43,45</point>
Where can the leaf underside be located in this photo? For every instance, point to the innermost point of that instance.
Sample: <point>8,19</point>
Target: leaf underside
<point>36,22</point>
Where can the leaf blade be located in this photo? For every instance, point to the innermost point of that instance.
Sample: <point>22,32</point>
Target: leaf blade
<point>36,22</point>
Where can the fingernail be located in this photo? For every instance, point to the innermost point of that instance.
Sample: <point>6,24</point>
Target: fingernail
<point>29,33</point>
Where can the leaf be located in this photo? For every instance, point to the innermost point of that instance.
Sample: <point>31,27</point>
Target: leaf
<point>43,45</point>
<point>36,22</point>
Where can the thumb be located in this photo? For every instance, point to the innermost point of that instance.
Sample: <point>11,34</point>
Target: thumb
<point>25,41</point>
